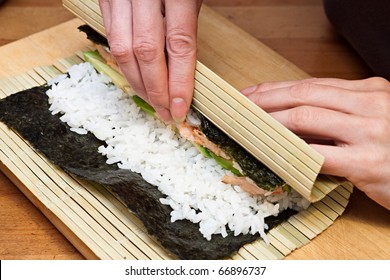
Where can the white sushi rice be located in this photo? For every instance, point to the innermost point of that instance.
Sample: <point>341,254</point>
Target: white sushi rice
<point>136,141</point>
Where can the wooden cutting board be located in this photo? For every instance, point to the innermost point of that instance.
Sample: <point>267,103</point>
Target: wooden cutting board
<point>242,60</point>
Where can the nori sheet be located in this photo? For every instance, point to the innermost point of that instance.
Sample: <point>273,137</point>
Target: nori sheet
<point>93,36</point>
<point>28,113</point>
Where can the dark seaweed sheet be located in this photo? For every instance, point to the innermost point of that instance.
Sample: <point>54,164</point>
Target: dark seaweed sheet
<point>93,36</point>
<point>27,112</point>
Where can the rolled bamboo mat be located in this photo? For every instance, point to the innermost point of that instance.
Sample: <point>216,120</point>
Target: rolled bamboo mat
<point>101,227</point>
<point>279,149</point>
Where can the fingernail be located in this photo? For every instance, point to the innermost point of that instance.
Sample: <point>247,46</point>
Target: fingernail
<point>249,90</point>
<point>180,120</point>
<point>178,109</point>
<point>164,115</point>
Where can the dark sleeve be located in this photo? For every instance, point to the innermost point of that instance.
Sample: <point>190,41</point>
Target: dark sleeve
<point>365,24</point>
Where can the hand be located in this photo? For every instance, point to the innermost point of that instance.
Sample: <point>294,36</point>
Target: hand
<point>136,32</point>
<point>346,121</point>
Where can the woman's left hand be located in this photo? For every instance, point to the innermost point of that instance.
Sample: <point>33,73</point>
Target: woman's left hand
<point>346,121</point>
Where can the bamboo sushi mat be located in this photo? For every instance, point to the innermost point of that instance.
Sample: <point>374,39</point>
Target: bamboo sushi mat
<point>100,222</point>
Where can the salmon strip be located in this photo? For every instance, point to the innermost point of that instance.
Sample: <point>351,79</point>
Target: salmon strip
<point>194,134</point>
<point>110,60</point>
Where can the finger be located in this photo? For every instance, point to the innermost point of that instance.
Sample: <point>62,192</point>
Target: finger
<point>317,95</point>
<point>337,160</point>
<point>370,84</point>
<point>106,14</point>
<point>320,123</point>
<point>347,162</point>
<point>120,41</point>
<point>148,47</point>
<point>181,22</point>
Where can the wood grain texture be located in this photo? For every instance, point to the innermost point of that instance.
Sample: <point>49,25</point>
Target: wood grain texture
<point>26,234</point>
<point>299,31</point>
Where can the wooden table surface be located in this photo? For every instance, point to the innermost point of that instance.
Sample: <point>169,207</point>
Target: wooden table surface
<point>298,30</point>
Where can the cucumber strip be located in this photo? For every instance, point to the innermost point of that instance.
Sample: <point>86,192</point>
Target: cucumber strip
<point>204,151</point>
<point>143,105</point>
<point>225,163</point>
<point>100,65</point>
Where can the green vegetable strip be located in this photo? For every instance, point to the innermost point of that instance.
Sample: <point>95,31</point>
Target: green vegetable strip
<point>143,105</point>
<point>100,65</point>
